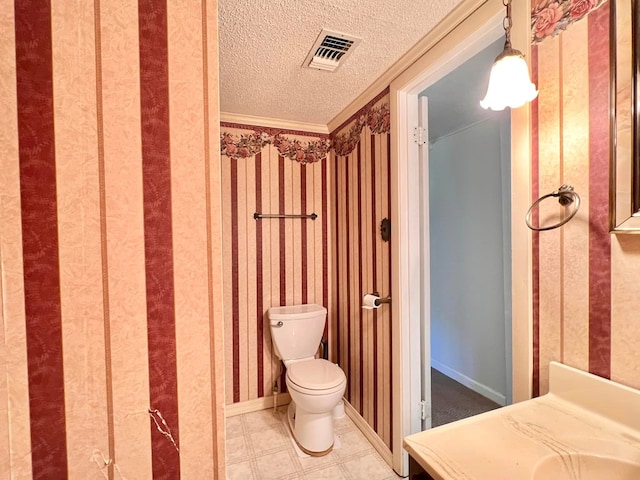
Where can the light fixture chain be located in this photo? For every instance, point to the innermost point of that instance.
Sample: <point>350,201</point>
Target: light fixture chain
<point>507,23</point>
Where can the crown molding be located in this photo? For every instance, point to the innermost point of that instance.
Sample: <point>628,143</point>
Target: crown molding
<point>451,21</point>
<point>273,123</point>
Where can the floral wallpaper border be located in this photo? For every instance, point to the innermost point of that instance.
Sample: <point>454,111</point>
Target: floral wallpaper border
<point>250,144</point>
<point>303,153</point>
<point>345,143</point>
<point>243,146</point>
<point>376,117</point>
<point>551,17</point>
<point>375,114</point>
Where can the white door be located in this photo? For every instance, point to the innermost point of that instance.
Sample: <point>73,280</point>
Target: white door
<point>425,304</point>
<point>419,345</point>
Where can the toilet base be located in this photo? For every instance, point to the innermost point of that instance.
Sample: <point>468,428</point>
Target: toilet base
<point>310,431</point>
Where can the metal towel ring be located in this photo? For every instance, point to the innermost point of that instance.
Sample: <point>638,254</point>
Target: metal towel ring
<point>566,196</point>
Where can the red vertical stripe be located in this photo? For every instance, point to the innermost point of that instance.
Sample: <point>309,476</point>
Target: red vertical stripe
<point>156,174</point>
<point>282,231</point>
<point>283,249</point>
<point>390,282</point>
<point>374,256</point>
<point>259,280</point>
<point>337,255</point>
<point>349,391</point>
<point>235,288</point>
<point>325,246</point>
<point>34,76</point>
<point>599,237</point>
<point>360,292</point>
<point>303,233</point>
<point>535,189</point>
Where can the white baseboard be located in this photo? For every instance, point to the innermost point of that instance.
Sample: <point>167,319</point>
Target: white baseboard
<point>369,432</point>
<point>255,405</point>
<point>483,390</point>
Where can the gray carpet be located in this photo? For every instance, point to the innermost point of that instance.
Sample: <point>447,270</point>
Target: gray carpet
<point>451,401</point>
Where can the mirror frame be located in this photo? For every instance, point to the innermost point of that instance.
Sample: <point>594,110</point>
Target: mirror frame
<point>624,190</point>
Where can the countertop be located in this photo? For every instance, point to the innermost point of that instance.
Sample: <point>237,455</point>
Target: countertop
<point>581,414</point>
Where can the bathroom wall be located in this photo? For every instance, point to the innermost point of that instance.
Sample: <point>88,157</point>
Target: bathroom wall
<point>269,262</point>
<point>585,279</point>
<point>110,241</point>
<point>360,259</point>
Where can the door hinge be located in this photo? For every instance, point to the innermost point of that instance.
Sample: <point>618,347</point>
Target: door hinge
<point>423,410</point>
<point>420,135</point>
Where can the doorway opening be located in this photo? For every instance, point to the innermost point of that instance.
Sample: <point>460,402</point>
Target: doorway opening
<point>466,246</point>
<point>410,284</point>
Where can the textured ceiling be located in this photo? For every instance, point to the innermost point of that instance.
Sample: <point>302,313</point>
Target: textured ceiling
<point>263,44</point>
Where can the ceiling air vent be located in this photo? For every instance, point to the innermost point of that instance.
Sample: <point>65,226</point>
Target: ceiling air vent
<point>330,50</point>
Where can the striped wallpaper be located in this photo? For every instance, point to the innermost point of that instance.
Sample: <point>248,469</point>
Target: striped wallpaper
<point>269,262</point>
<point>585,279</point>
<point>273,262</point>
<point>124,235</point>
<point>361,261</point>
<point>110,238</point>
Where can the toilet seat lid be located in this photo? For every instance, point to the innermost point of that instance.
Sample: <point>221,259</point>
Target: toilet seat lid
<point>316,374</point>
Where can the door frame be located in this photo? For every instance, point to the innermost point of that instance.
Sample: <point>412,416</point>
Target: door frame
<point>466,38</point>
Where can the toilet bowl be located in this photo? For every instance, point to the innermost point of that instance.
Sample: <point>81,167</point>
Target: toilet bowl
<point>314,396</point>
<point>316,385</point>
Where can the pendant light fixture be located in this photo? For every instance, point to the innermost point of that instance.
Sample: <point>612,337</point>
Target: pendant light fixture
<point>509,81</point>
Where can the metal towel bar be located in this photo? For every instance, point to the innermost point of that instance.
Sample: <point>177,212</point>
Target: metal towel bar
<point>257,215</point>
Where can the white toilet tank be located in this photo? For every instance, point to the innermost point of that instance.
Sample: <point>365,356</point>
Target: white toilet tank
<point>297,330</point>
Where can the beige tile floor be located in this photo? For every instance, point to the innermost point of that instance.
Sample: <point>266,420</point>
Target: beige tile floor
<point>259,448</point>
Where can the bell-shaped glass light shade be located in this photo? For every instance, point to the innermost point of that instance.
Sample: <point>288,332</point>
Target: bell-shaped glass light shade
<point>509,82</point>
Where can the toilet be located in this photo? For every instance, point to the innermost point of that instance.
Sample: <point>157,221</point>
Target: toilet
<point>316,385</point>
